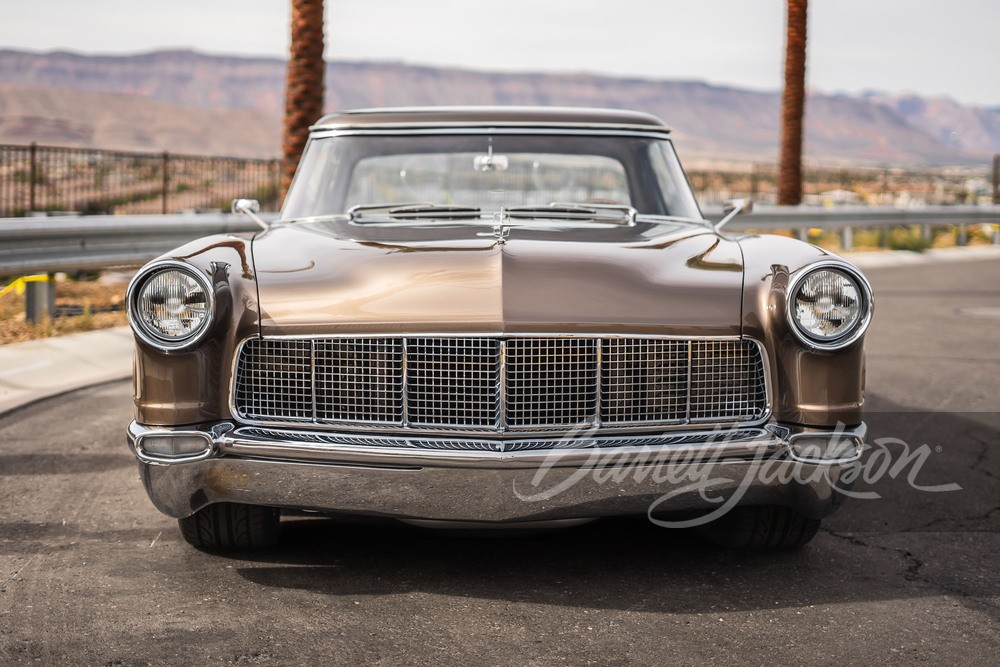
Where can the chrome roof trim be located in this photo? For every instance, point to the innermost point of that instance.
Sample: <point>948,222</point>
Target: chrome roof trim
<point>322,132</point>
<point>493,116</point>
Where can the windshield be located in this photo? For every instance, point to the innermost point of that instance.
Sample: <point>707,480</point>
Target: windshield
<point>487,172</point>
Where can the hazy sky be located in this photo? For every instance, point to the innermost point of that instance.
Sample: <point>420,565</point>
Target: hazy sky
<point>933,48</point>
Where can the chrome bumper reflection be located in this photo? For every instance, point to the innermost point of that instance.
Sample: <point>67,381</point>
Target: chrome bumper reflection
<point>493,480</point>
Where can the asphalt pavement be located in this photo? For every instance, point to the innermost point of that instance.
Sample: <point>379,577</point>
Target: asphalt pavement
<point>91,573</point>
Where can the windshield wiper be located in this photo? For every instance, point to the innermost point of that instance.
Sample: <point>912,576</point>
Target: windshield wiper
<point>617,213</point>
<point>419,211</point>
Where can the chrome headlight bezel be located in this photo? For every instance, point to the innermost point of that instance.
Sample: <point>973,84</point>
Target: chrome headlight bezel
<point>152,337</point>
<point>856,331</point>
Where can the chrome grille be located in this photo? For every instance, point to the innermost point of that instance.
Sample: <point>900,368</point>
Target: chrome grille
<point>551,382</point>
<point>643,380</point>
<point>452,381</point>
<point>357,379</point>
<point>274,380</point>
<point>495,384</point>
<point>727,380</point>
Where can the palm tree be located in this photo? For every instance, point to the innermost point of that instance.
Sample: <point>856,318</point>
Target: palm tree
<point>793,105</point>
<point>304,88</point>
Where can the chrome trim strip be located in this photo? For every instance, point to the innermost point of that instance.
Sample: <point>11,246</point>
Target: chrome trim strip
<point>401,452</point>
<point>599,342</point>
<point>361,426</point>
<point>859,329</point>
<point>687,409</point>
<point>321,132</point>
<point>236,444</point>
<point>502,388</point>
<point>312,375</point>
<point>494,334</point>
<point>405,394</point>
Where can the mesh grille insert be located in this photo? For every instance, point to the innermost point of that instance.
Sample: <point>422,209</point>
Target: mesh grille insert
<point>274,380</point>
<point>453,381</point>
<point>551,381</point>
<point>727,381</point>
<point>644,380</point>
<point>358,379</point>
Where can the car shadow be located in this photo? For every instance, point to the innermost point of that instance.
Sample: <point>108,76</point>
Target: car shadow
<point>632,564</point>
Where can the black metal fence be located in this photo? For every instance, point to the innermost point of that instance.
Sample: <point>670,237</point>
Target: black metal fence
<point>46,178</point>
<point>860,186</point>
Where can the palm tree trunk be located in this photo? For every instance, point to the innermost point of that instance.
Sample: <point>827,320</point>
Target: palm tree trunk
<point>793,105</point>
<point>304,88</point>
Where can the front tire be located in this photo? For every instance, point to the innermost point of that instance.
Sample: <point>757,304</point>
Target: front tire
<point>769,527</point>
<point>232,527</point>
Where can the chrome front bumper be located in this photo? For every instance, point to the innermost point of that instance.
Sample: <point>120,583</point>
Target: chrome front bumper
<point>502,480</point>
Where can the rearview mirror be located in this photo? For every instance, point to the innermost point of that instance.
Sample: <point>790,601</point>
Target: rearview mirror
<point>491,162</point>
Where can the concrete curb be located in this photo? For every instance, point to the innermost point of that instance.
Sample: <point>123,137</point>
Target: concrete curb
<point>38,369</point>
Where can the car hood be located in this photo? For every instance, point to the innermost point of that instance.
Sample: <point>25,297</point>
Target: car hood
<point>688,282</point>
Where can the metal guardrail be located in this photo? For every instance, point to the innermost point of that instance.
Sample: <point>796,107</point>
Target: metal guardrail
<point>80,243</point>
<point>845,219</point>
<point>77,243</point>
<point>799,217</point>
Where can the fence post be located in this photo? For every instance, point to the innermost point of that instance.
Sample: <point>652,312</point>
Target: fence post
<point>32,174</point>
<point>996,180</point>
<point>963,235</point>
<point>40,299</point>
<point>166,181</point>
<point>276,180</point>
<point>847,239</point>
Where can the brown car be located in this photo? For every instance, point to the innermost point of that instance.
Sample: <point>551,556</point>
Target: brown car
<point>497,316</point>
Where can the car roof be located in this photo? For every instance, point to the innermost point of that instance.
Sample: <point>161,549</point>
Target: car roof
<point>492,116</point>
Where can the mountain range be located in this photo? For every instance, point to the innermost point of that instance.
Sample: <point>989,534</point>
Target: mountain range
<point>189,102</point>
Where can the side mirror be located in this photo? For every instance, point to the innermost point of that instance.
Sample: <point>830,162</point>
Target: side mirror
<point>250,208</point>
<point>246,206</point>
<point>742,206</point>
<point>733,209</point>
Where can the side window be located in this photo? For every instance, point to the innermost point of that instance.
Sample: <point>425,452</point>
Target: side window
<point>312,190</point>
<point>674,188</point>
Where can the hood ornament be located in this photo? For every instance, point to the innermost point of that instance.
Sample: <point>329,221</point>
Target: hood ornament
<point>501,226</point>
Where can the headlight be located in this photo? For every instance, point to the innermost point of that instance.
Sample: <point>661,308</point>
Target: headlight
<point>829,306</point>
<point>170,305</point>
